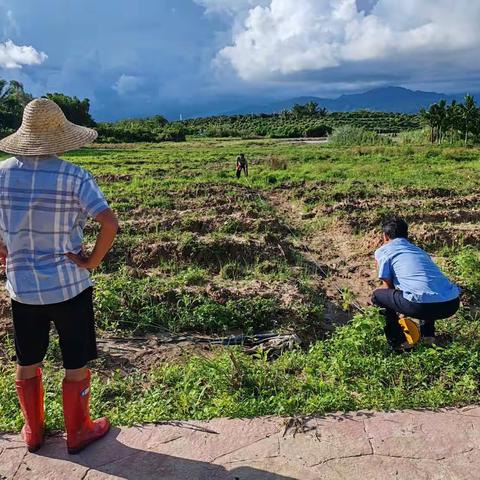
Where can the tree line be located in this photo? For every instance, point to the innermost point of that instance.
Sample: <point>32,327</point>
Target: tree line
<point>14,98</point>
<point>309,120</point>
<point>454,121</point>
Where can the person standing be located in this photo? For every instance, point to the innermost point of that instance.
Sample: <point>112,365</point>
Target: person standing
<point>44,204</point>
<point>242,165</point>
<point>413,286</point>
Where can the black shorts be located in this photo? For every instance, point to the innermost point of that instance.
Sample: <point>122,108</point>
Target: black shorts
<point>75,323</point>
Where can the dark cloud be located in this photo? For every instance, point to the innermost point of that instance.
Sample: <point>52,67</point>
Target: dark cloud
<point>162,56</point>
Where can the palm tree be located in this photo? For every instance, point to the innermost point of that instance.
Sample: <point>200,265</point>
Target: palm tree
<point>452,118</point>
<point>431,118</point>
<point>469,114</point>
<point>323,112</point>
<point>311,109</point>
<point>441,118</point>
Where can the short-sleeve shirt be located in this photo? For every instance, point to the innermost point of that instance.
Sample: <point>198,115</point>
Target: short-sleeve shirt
<point>44,205</point>
<point>412,271</point>
<point>242,161</point>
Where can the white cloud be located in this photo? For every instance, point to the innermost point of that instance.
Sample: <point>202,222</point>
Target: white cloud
<point>16,56</point>
<point>127,84</point>
<point>287,37</point>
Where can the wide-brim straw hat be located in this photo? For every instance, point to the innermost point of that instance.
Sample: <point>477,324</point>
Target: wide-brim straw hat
<point>46,131</point>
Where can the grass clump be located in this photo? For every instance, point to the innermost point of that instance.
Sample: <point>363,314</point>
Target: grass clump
<point>465,265</point>
<point>350,135</point>
<point>150,304</point>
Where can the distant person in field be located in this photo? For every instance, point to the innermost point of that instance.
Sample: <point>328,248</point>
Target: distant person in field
<point>242,165</point>
<point>413,286</point>
<point>44,204</point>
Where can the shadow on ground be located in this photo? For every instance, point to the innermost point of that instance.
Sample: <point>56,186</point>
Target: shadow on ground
<point>111,458</point>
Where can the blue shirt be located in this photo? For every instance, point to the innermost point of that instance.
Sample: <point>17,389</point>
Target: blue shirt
<point>413,271</point>
<point>44,204</point>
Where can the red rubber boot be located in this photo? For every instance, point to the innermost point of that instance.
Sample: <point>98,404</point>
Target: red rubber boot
<point>30,396</point>
<point>81,429</point>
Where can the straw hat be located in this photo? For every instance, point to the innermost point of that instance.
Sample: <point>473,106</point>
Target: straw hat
<point>46,131</point>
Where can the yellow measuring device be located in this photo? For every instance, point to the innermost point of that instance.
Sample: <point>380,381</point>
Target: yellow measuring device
<point>411,329</point>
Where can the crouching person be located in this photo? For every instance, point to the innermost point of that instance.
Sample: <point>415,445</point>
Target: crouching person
<point>414,286</point>
<point>44,204</point>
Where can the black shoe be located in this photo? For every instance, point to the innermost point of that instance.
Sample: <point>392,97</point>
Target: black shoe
<point>404,347</point>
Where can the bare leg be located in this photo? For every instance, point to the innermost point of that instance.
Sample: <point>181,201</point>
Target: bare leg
<point>76,375</point>
<point>30,371</point>
<point>25,373</point>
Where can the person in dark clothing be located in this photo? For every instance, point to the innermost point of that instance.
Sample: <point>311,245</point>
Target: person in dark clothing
<point>242,164</point>
<point>413,286</point>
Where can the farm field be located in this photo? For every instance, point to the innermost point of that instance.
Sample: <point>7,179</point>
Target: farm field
<point>201,257</point>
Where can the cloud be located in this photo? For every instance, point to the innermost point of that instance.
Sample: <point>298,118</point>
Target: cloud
<point>16,56</point>
<point>231,7</point>
<point>282,38</point>
<point>127,84</point>
<point>11,27</point>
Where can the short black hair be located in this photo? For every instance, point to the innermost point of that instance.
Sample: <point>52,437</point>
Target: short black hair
<point>395,228</point>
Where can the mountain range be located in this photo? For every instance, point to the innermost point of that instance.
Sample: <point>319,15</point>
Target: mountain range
<point>385,99</point>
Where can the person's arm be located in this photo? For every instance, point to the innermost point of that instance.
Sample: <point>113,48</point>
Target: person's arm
<point>384,273</point>
<point>246,168</point>
<point>3,254</point>
<point>108,231</point>
<point>387,283</point>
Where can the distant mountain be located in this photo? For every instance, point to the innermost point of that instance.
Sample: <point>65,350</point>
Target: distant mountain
<point>386,99</point>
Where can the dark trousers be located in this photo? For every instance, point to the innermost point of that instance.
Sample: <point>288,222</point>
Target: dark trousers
<point>393,303</point>
<point>239,170</point>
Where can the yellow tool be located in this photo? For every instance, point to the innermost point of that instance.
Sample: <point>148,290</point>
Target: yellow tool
<point>411,329</point>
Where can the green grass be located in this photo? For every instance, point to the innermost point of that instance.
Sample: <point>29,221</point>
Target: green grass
<point>199,251</point>
<point>213,161</point>
<point>353,370</point>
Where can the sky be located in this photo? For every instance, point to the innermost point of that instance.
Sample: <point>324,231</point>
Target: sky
<point>190,57</point>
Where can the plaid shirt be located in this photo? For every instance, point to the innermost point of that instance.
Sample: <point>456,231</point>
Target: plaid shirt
<point>44,204</point>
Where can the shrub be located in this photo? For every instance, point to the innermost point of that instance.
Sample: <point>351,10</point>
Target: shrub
<point>414,137</point>
<point>173,133</point>
<point>349,135</point>
<point>466,267</point>
<point>318,131</point>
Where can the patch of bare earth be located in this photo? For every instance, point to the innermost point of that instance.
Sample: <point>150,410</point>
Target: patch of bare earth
<point>438,217</point>
<point>350,235</point>
<point>210,226</point>
<point>345,259</point>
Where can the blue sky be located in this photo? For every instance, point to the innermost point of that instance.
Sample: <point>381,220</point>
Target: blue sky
<point>198,56</point>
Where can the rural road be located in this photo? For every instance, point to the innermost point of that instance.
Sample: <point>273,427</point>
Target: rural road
<point>420,445</point>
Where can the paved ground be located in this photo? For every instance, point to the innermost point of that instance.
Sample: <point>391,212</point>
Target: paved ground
<point>400,445</point>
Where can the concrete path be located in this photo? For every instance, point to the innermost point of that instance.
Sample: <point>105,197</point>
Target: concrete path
<point>365,445</point>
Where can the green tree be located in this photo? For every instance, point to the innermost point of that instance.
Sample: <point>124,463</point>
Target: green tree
<point>13,99</point>
<point>310,109</point>
<point>469,116</point>
<point>453,118</point>
<point>76,110</point>
<point>429,119</point>
<point>322,112</point>
<point>441,118</point>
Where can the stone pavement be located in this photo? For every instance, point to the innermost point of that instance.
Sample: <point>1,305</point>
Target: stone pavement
<point>404,445</point>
